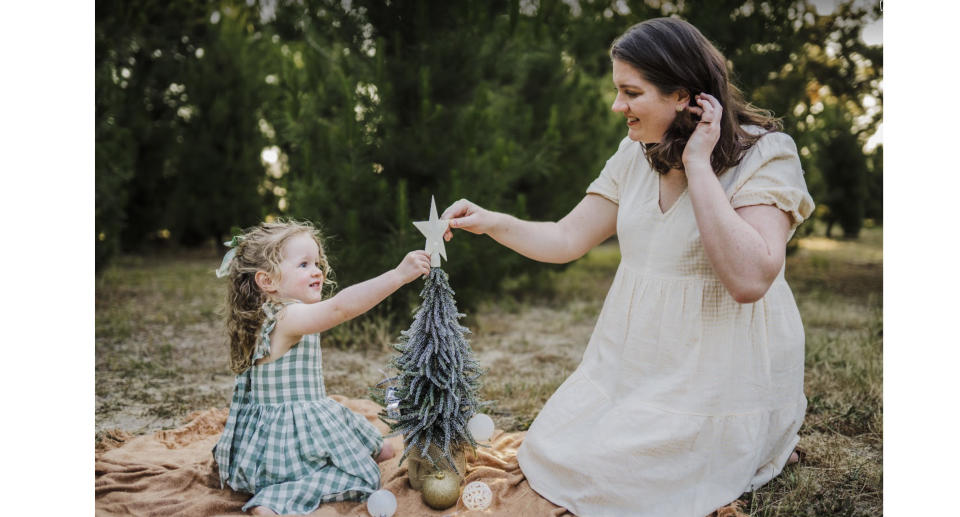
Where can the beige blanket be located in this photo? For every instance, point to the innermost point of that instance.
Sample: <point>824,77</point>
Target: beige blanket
<point>173,473</point>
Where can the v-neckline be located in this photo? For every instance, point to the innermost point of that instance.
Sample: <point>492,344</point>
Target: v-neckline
<point>676,201</point>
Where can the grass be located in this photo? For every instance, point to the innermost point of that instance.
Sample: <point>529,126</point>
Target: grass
<point>839,289</point>
<point>161,353</point>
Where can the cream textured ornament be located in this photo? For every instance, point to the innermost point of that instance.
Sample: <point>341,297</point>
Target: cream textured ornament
<point>679,108</point>
<point>382,503</point>
<point>480,427</point>
<point>441,490</point>
<point>477,496</point>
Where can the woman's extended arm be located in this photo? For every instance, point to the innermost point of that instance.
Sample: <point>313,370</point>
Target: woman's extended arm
<point>591,222</point>
<point>745,246</point>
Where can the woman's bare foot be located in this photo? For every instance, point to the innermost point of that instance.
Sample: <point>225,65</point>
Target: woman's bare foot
<point>386,452</point>
<point>794,458</point>
<point>262,510</point>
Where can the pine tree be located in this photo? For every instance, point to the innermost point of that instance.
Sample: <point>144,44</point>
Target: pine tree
<point>438,378</point>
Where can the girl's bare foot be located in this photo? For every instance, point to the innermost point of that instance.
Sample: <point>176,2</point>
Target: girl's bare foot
<point>386,452</point>
<point>262,510</point>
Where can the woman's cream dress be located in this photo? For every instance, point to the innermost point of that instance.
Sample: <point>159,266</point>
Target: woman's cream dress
<point>685,398</point>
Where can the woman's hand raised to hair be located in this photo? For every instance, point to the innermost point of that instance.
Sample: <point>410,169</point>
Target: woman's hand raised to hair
<point>707,133</point>
<point>467,216</point>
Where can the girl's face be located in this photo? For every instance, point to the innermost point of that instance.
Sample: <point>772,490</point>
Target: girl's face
<point>301,277</point>
<point>649,113</point>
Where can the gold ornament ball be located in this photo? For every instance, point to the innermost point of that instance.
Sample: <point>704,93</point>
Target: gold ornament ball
<point>441,490</point>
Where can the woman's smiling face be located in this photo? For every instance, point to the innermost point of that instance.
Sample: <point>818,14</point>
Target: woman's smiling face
<point>648,111</point>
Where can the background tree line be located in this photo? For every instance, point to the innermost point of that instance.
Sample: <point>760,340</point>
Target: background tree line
<point>215,115</point>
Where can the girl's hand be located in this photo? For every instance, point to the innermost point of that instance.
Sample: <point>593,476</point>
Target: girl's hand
<point>707,133</point>
<point>467,216</point>
<point>414,265</point>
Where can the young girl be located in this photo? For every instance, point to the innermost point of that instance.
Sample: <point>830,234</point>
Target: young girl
<point>285,442</point>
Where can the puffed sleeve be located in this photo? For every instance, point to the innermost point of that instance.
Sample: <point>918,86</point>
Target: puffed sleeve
<point>611,178</point>
<point>771,174</point>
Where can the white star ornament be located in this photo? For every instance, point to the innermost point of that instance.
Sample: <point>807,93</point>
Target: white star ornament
<point>433,230</point>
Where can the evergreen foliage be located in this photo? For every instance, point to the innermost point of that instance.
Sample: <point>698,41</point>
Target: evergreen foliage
<point>438,379</point>
<point>371,107</point>
<point>382,106</point>
<point>177,104</point>
<point>845,172</point>
<point>874,208</point>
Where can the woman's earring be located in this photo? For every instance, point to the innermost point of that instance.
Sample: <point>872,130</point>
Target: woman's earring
<point>679,108</point>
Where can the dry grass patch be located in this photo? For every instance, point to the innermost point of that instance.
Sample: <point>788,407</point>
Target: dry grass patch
<point>161,353</point>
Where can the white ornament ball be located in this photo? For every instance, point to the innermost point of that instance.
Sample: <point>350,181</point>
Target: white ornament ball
<point>382,503</point>
<point>476,496</point>
<point>480,427</point>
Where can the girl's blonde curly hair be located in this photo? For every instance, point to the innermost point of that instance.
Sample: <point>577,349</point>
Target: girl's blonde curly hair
<point>259,249</point>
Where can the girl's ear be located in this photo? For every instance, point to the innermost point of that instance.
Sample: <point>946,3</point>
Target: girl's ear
<point>264,282</point>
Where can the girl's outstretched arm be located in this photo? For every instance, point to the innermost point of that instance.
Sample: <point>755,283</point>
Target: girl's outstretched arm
<point>591,222</point>
<point>301,319</point>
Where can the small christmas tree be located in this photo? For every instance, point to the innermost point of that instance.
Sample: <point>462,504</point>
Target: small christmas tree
<point>439,378</point>
<point>434,395</point>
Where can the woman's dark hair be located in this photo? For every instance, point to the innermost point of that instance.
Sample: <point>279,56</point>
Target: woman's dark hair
<point>674,56</point>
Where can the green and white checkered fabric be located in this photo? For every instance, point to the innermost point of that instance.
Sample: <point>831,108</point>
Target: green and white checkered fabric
<point>288,444</point>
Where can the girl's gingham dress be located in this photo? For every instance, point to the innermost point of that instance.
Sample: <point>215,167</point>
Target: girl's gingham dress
<point>288,444</point>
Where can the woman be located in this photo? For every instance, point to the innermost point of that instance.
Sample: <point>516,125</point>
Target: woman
<point>690,391</point>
